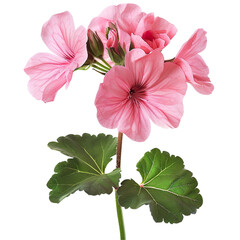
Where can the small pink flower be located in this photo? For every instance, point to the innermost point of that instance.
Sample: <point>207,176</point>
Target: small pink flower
<point>193,65</point>
<point>146,88</point>
<point>152,32</point>
<point>48,73</point>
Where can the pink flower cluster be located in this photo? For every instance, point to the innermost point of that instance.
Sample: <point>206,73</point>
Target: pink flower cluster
<point>139,85</point>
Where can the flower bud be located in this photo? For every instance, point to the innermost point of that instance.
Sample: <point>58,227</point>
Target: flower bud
<point>117,56</point>
<point>113,41</point>
<point>94,44</point>
<point>115,51</point>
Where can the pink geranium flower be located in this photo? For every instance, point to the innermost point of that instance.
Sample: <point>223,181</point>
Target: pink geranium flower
<point>48,73</point>
<point>146,88</point>
<point>193,65</point>
<point>144,30</point>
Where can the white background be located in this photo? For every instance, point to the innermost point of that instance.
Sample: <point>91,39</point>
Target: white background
<point>207,138</point>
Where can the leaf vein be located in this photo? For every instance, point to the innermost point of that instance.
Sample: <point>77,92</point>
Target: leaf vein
<point>164,190</point>
<point>92,159</point>
<point>159,173</point>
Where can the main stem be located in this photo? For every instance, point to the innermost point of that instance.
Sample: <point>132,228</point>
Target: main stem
<point>119,150</point>
<point>119,209</point>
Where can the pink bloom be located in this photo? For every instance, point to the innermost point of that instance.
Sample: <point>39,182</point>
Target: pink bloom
<point>48,73</point>
<point>193,65</point>
<point>152,32</point>
<point>146,88</point>
<point>144,30</point>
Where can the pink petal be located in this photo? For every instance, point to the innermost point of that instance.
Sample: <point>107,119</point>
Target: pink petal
<point>156,24</point>
<point>58,34</point>
<point>145,24</point>
<point>196,72</point>
<point>163,26</point>
<point>79,46</point>
<point>135,122</point>
<point>200,70</point>
<point>99,24</point>
<point>126,16</point>
<point>198,66</point>
<point>165,104</point>
<point>171,79</point>
<point>138,42</point>
<point>196,44</point>
<point>109,13</point>
<point>203,85</point>
<point>124,39</point>
<point>186,69</point>
<point>146,67</point>
<point>52,88</point>
<point>112,95</point>
<point>48,73</point>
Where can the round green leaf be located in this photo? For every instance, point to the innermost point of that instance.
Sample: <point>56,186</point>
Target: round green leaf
<point>168,188</point>
<point>86,169</point>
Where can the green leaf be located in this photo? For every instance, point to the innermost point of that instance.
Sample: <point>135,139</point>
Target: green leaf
<point>86,169</point>
<point>168,188</point>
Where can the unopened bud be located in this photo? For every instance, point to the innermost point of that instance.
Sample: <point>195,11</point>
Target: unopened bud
<point>113,41</point>
<point>118,56</point>
<point>94,44</point>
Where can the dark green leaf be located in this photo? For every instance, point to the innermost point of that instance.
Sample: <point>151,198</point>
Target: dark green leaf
<point>168,189</point>
<point>86,169</point>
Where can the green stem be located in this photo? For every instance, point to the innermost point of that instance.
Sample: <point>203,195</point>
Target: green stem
<point>99,71</point>
<point>119,209</point>
<point>101,65</point>
<point>106,62</point>
<point>120,218</point>
<point>98,68</point>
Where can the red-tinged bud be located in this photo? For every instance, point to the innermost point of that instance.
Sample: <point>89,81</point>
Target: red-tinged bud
<point>112,27</point>
<point>112,37</point>
<point>112,41</point>
<point>115,51</point>
<point>118,55</point>
<point>94,44</point>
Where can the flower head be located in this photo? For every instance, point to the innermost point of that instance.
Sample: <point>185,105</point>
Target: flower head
<point>136,28</point>
<point>48,73</point>
<point>146,88</point>
<point>193,65</point>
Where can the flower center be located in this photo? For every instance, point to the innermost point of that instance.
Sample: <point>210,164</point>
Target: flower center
<point>148,35</point>
<point>137,92</point>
